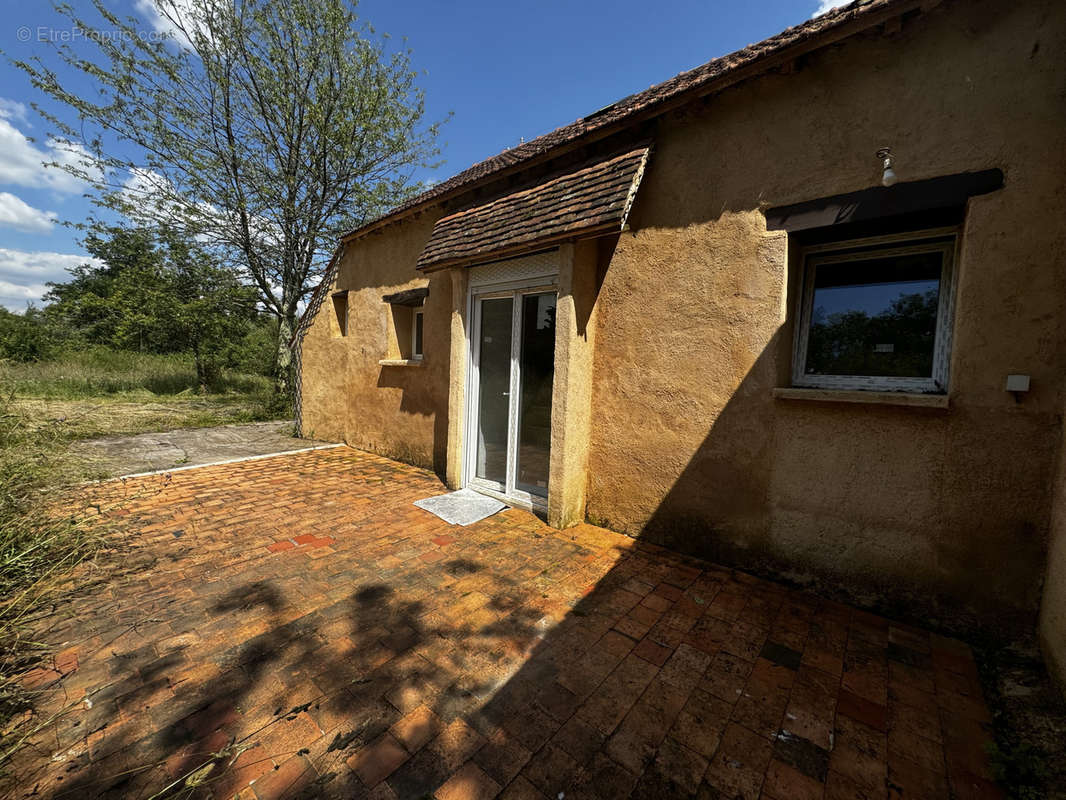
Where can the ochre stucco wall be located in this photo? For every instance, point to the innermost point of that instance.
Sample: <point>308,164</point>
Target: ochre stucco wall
<point>398,411</point>
<point>946,511</point>
<point>689,446</point>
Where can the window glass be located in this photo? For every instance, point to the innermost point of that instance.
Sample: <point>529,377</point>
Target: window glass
<point>535,396</point>
<point>875,316</point>
<point>494,386</point>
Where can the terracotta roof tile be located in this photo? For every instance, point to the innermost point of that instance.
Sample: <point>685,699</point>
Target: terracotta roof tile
<point>649,100</point>
<point>596,196</point>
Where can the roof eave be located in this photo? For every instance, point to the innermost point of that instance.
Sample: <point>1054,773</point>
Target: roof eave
<point>759,64</point>
<point>522,248</point>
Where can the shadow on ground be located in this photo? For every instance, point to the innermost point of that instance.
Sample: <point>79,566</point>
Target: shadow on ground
<point>305,632</point>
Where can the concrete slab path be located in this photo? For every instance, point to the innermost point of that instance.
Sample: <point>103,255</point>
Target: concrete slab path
<point>148,452</point>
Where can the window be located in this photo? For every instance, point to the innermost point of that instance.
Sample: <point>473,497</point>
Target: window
<point>405,331</point>
<point>876,314</point>
<point>340,308</point>
<point>416,335</point>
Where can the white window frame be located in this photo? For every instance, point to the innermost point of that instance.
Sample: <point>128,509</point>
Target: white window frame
<point>942,240</point>
<point>416,355</point>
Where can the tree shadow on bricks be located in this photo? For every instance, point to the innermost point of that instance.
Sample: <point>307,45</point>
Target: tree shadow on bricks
<point>425,664</point>
<point>148,733</point>
<point>289,706</point>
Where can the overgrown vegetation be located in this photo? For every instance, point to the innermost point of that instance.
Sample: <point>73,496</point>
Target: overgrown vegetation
<point>150,336</point>
<point>38,545</point>
<point>263,129</point>
<point>147,291</point>
<point>100,372</point>
<point>46,405</point>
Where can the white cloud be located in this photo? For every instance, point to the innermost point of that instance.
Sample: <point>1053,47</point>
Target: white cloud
<point>144,185</point>
<point>23,274</point>
<point>154,199</point>
<point>184,10</point>
<point>22,162</point>
<point>13,109</point>
<point>825,6</point>
<point>15,297</point>
<point>20,215</point>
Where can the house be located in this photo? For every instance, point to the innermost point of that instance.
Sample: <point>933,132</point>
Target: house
<point>801,309</point>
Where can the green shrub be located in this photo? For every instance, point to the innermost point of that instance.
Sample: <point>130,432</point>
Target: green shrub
<point>24,337</point>
<point>255,353</point>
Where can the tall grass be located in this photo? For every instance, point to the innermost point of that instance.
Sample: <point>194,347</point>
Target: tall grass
<point>38,544</point>
<point>44,406</point>
<point>101,372</point>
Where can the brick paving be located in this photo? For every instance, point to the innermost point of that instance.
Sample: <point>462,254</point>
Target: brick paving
<point>294,627</point>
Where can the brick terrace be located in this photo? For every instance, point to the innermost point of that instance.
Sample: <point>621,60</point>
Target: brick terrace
<point>294,627</point>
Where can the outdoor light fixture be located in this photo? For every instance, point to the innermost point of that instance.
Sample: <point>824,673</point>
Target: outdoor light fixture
<point>888,177</point>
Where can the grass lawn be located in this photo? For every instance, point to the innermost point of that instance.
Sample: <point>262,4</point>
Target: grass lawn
<point>102,392</point>
<point>43,408</point>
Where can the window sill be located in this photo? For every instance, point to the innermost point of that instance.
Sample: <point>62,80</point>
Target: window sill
<point>400,362</point>
<point>863,397</point>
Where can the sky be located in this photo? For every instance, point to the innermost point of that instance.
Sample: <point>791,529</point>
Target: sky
<point>506,72</point>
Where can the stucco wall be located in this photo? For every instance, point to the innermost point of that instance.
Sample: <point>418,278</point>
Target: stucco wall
<point>689,446</point>
<point>347,395</point>
<point>1053,606</point>
<point>946,511</point>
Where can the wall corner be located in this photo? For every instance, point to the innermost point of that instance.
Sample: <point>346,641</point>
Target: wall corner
<point>457,370</point>
<point>572,387</point>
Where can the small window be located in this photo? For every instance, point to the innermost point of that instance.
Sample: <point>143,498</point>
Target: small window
<point>876,314</point>
<point>416,336</point>
<point>340,308</point>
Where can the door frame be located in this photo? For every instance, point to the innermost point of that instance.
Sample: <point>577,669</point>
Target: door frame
<point>508,492</point>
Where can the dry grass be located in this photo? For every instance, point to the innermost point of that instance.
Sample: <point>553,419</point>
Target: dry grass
<point>43,408</point>
<point>91,417</point>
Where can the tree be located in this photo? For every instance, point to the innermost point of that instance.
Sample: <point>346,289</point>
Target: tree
<point>25,337</point>
<point>93,305</point>
<point>155,292</point>
<point>844,343</point>
<point>264,129</point>
<point>209,309</point>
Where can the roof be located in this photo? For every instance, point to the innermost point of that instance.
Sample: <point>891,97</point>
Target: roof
<point>836,24</point>
<point>777,51</point>
<point>595,197</point>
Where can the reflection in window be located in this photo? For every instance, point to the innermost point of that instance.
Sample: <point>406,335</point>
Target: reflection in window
<point>875,317</point>
<point>535,396</point>
<point>875,314</point>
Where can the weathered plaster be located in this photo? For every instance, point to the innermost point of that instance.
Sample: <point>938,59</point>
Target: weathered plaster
<point>401,410</point>
<point>944,509</point>
<point>572,386</point>
<point>1052,628</point>
<point>688,445</point>
<point>459,346</point>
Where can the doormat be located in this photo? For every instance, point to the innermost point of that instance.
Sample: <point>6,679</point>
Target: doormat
<point>464,507</point>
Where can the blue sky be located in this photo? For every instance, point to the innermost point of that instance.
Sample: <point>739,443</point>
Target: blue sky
<point>507,71</point>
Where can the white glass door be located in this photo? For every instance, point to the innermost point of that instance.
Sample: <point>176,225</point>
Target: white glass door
<point>513,366</point>
<point>494,391</point>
